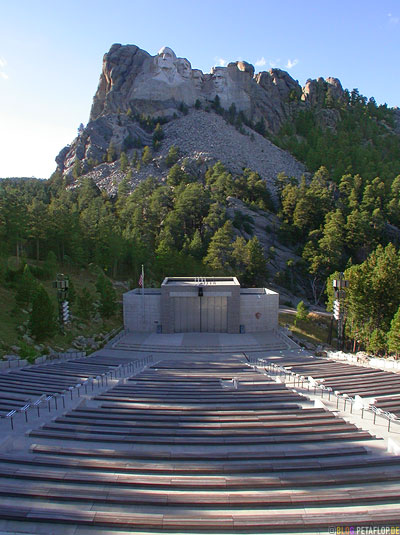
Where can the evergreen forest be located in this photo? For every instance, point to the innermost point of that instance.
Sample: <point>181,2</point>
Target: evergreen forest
<point>343,216</point>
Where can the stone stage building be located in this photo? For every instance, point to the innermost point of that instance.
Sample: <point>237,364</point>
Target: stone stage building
<point>201,304</point>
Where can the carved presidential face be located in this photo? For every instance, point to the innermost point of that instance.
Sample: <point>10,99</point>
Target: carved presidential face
<point>197,77</point>
<point>165,58</point>
<point>184,68</point>
<point>219,78</point>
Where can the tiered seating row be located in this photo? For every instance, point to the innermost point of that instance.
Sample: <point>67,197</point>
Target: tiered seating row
<point>345,378</point>
<point>175,449</point>
<point>25,385</point>
<point>389,404</point>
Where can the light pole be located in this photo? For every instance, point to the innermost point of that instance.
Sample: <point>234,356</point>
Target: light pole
<point>62,284</point>
<point>340,285</point>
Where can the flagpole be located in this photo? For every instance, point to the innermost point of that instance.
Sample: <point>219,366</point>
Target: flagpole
<point>143,296</point>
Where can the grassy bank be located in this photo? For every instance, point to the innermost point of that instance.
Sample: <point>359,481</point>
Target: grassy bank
<point>315,329</point>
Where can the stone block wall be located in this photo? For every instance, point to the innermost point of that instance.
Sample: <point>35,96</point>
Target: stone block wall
<point>139,317</point>
<point>259,309</point>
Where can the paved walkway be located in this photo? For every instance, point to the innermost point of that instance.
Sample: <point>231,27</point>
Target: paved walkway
<point>203,343</point>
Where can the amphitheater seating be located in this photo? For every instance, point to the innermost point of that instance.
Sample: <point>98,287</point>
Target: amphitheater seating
<point>179,448</point>
<point>345,378</point>
<point>389,404</point>
<point>24,385</point>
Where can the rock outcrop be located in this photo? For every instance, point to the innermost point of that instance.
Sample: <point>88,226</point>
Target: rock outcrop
<point>158,85</point>
<point>133,84</point>
<point>203,138</point>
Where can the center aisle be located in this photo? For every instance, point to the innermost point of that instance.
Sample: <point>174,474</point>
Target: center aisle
<point>196,445</point>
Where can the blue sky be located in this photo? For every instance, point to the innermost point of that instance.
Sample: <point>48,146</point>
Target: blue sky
<point>51,55</point>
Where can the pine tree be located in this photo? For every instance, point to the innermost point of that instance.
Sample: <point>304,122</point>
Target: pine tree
<point>124,188</point>
<point>111,155</point>
<point>172,156</point>
<point>176,175</point>
<point>158,134</point>
<point>196,245</point>
<point>77,169</point>
<point>302,312</point>
<point>377,342</point>
<point>37,222</point>
<point>372,298</point>
<point>394,334</point>
<point>41,320</point>
<point>124,162</point>
<point>331,243</point>
<point>85,303</point>
<point>240,257</point>
<point>219,255</point>
<point>147,156</point>
<point>50,265</point>
<point>108,303</point>
<point>27,288</point>
<point>256,269</point>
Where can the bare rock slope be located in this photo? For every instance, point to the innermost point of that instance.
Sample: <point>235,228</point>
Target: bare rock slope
<point>205,138</point>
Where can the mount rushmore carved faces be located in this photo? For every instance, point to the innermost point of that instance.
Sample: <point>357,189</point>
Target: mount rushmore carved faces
<point>184,68</point>
<point>198,78</point>
<point>166,58</point>
<point>219,78</point>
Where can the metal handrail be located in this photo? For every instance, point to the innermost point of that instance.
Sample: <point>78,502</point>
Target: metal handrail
<point>281,370</point>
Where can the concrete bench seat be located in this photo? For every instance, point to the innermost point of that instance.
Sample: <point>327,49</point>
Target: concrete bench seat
<point>201,441</point>
<point>202,522</point>
<point>205,435</point>
<point>298,452</point>
<point>29,380</point>
<point>371,378</point>
<point>251,480</point>
<point>33,392</point>
<point>27,391</point>
<point>6,407</point>
<point>38,373</point>
<point>207,392</point>
<point>105,415</point>
<point>238,426</point>
<point>258,424</point>
<point>215,467</point>
<point>199,400</point>
<point>369,392</point>
<point>195,412</point>
<point>388,403</point>
<point>364,381</point>
<point>266,500</point>
<point>273,404</point>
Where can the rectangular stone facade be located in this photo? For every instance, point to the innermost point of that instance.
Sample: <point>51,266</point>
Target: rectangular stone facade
<point>178,306</point>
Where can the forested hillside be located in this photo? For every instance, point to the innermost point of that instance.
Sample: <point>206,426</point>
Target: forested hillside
<point>353,135</point>
<point>333,219</point>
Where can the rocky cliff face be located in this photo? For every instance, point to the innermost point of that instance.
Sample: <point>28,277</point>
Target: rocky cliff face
<point>158,85</point>
<point>134,84</point>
